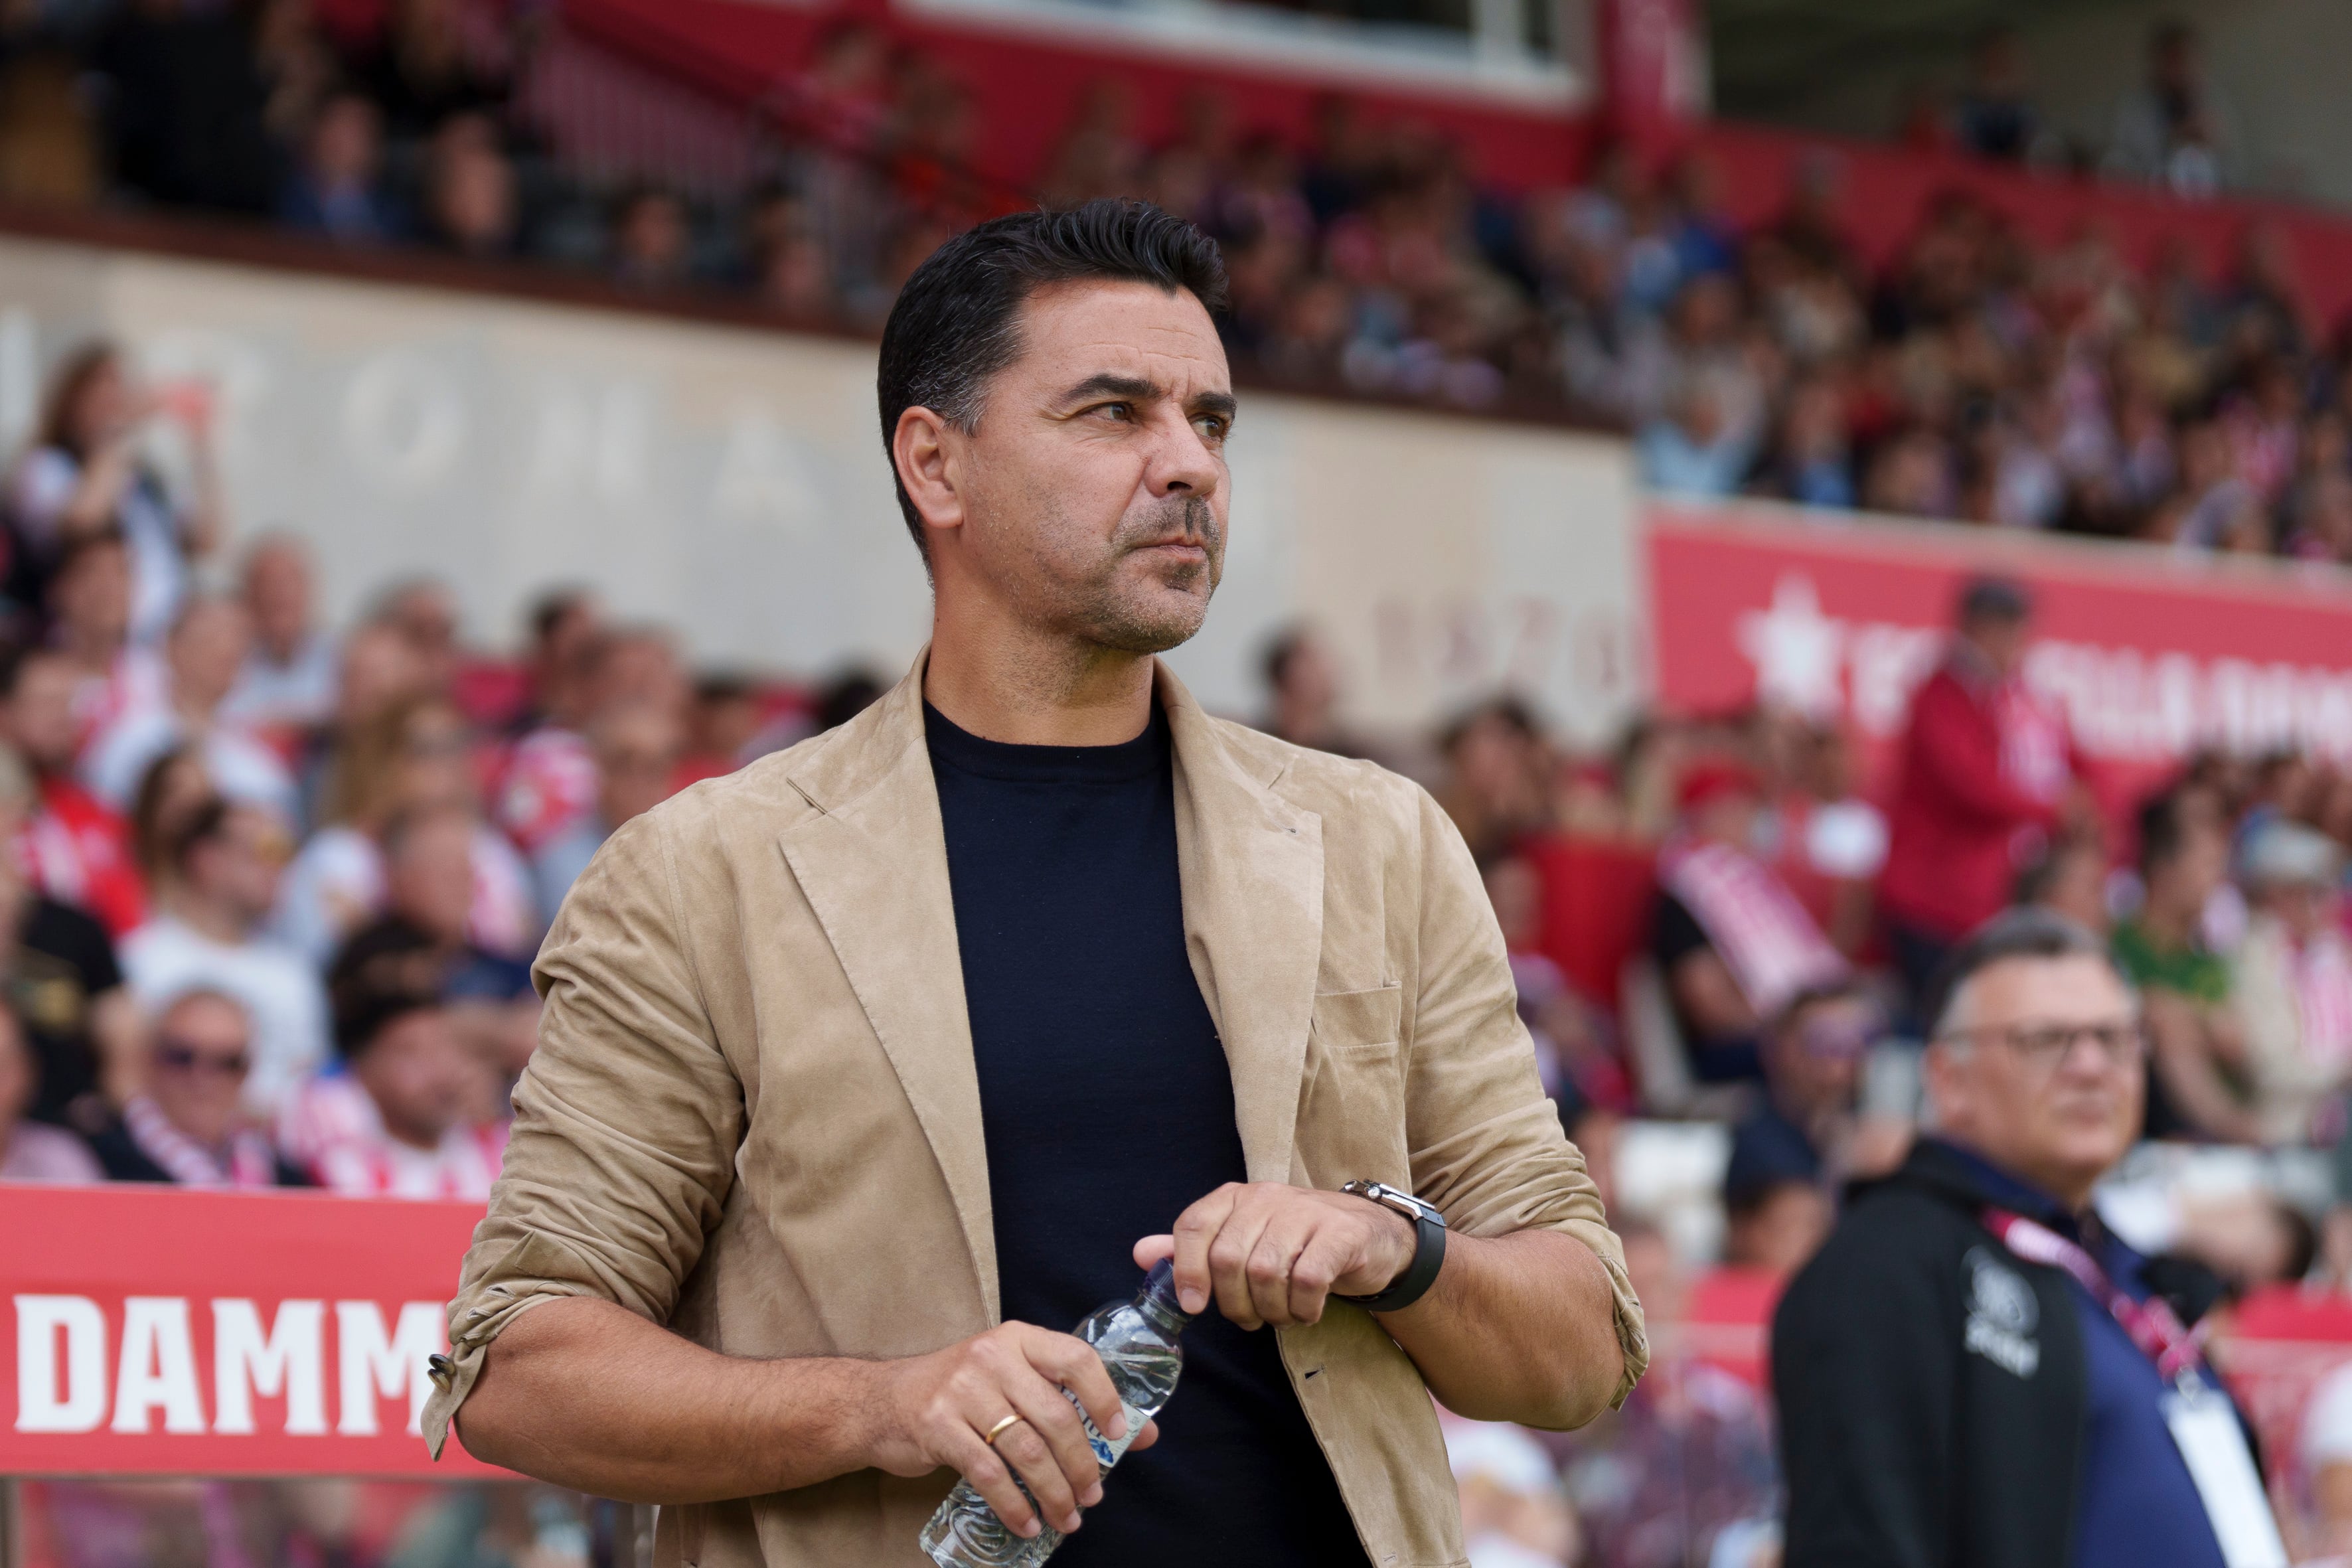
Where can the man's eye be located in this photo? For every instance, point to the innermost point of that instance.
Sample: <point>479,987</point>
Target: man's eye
<point>1213,427</point>
<point>1117,410</point>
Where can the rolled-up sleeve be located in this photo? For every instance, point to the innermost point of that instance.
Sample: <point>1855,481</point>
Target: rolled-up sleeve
<point>626,1120</point>
<point>1486,1142</point>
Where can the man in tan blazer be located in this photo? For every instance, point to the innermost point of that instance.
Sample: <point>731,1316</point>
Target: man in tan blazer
<point>868,1070</point>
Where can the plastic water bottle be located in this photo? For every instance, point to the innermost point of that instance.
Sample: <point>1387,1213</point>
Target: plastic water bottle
<point>1136,1341</point>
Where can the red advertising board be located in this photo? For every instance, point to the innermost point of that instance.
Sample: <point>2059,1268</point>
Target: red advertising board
<point>155,1332</point>
<point>2152,655</point>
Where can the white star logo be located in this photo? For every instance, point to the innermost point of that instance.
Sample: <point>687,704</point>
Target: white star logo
<point>1798,652</point>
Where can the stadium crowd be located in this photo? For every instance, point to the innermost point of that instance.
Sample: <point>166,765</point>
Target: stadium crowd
<point>272,889</point>
<point>1977,376</point>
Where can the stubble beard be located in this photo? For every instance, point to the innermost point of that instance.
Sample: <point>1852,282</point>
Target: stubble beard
<point>1146,612</point>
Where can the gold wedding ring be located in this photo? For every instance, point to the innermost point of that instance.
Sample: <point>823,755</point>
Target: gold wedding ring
<point>994,1433</point>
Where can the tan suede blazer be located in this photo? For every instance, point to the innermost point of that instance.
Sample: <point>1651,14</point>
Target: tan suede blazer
<point>753,1115</point>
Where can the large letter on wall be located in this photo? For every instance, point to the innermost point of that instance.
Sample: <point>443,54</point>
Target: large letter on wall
<point>291,1360</point>
<point>372,1365</point>
<point>42,1404</point>
<point>159,1367</point>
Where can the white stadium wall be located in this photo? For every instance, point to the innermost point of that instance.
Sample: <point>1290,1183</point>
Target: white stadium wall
<point>728,480</point>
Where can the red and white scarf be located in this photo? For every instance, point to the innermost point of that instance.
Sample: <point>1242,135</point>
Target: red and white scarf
<point>1764,936</point>
<point>188,1162</point>
<point>2321,973</point>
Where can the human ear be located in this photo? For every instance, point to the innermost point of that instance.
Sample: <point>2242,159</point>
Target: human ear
<point>922,449</point>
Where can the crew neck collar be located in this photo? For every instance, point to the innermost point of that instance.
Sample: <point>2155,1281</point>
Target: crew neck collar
<point>958,748</point>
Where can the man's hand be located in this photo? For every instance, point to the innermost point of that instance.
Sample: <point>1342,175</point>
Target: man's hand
<point>1272,1254</point>
<point>937,1409</point>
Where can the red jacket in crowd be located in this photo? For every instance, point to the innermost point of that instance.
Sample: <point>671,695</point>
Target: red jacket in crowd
<point>1986,766</point>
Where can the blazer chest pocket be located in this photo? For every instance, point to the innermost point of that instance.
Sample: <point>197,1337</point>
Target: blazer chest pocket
<point>1352,1120</point>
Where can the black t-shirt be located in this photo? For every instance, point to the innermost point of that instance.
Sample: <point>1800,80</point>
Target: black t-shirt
<point>64,964</point>
<point>1109,1108</point>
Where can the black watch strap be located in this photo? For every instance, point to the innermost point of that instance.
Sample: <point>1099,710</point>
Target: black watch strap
<point>1428,1253</point>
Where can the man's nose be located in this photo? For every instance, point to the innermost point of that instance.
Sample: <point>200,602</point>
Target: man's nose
<point>1183,462</point>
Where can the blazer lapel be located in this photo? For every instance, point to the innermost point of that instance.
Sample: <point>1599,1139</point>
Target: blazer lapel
<point>1251,864</point>
<point>874,867</point>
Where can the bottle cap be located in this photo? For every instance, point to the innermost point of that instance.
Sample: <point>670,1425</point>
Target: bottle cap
<point>1159,1289</point>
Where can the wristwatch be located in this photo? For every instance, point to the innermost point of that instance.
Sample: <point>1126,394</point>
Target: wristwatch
<point>1428,1253</point>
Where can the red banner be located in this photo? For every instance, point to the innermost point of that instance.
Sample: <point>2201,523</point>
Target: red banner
<point>163,1333</point>
<point>2152,655</point>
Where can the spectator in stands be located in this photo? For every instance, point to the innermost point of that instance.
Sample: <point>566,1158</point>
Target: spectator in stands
<point>203,658</point>
<point>1987,767</point>
<point>1805,1125</point>
<point>175,788</point>
<point>188,1126</point>
<point>84,474</point>
<point>77,850</point>
<point>1995,117</point>
<point>389,1120</point>
<point>423,71</point>
<point>288,681</point>
<point>2196,1038</point>
<point>378,669</point>
<point>639,666</point>
<point>722,722</point>
<point>184,101</point>
<point>207,934</point>
<point>2291,980</point>
<point>564,624</point>
<point>1952,1355</point>
<point>636,747</point>
<point>1774,1219</point>
<point>1687,1461</point>
<point>57,973</point>
<point>653,239</point>
<point>2174,131</point>
<point>793,275</point>
<point>471,205</point>
<point>1302,688</point>
<point>1575,1057</point>
<point>550,784</point>
<point>298,69</point>
<point>431,879</point>
<point>337,192</point>
<point>31,1151</point>
<point>1733,944</point>
<point>2069,878</point>
<point>1494,784</point>
<point>425,614</point>
<point>89,609</point>
<point>1514,1514</point>
<point>1812,460</point>
<point>410,759</point>
<point>1696,448</point>
<point>550,790</point>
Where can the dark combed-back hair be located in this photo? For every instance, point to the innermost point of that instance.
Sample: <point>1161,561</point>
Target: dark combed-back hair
<point>953,327</point>
<point>2015,933</point>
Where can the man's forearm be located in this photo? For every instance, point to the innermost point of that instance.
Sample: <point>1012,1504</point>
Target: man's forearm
<point>1516,1328</point>
<point>588,1395</point>
<point>591,1396</point>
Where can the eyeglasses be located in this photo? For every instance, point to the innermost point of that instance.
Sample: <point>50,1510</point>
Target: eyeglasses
<point>2044,1046</point>
<point>1840,1041</point>
<point>180,1057</point>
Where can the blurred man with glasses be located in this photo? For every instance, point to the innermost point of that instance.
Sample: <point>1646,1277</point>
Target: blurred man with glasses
<point>186,1127</point>
<point>1973,1371</point>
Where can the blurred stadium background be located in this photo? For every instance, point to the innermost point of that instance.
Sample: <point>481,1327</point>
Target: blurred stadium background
<point>436,429</point>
